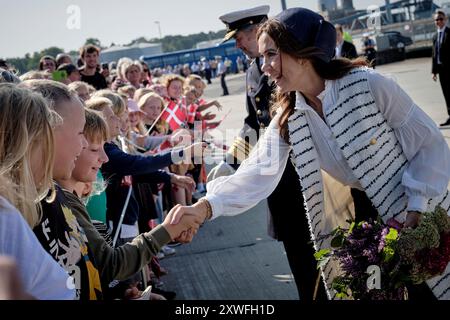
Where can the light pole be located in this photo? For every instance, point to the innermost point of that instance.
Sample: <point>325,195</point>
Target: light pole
<point>159,29</point>
<point>283,5</point>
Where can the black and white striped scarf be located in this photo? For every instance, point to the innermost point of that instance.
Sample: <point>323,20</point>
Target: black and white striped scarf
<point>373,153</point>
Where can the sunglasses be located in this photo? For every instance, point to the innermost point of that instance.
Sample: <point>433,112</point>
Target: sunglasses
<point>439,19</point>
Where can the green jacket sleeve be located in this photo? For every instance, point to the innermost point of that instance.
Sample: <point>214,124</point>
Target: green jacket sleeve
<point>122,262</point>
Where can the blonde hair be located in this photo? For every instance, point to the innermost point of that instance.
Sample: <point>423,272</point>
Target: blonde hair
<point>190,80</point>
<point>126,89</point>
<point>98,104</point>
<point>91,89</point>
<point>143,100</point>
<point>74,86</point>
<point>127,65</point>
<point>188,89</point>
<point>168,79</point>
<point>140,93</point>
<point>125,102</point>
<point>161,126</point>
<point>26,123</point>
<point>118,103</point>
<point>95,128</point>
<point>124,64</point>
<point>33,75</point>
<point>156,81</point>
<point>120,64</point>
<point>54,92</point>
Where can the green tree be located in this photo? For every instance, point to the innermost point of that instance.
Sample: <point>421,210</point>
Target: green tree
<point>94,41</point>
<point>177,42</point>
<point>138,40</point>
<point>52,51</point>
<point>31,62</point>
<point>169,43</point>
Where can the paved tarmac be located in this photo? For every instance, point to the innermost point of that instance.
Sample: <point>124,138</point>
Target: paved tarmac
<point>233,258</point>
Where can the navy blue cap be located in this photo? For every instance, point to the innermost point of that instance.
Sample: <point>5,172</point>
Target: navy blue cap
<point>310,30</point>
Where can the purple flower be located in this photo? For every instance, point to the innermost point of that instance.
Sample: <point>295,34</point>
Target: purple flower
<point>393,223</point>
<point>382,242</point>
<point>366,225</point>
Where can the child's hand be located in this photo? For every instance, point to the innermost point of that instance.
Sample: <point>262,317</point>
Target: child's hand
<point>183,182</point>
<point>141,140</point>
<point>185,229</point>
<point>217,104</point>
<point>212,125</point>
<point>209,116</point>
<point>182,136</point>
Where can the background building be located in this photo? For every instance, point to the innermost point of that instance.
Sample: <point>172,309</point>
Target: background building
<point>327,5</point>
<point>135,51</point>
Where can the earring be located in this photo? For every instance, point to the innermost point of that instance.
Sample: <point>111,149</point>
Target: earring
<point>52,195</point>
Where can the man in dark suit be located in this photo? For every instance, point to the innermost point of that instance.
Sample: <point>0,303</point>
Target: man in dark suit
<point>344,49</point>
<point>441,57</point>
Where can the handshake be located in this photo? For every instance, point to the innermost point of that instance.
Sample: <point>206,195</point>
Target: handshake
<point>183,222</point>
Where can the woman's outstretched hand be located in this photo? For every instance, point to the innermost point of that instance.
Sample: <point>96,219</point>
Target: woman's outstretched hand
<point>199,210</point>
<point>185,229</point>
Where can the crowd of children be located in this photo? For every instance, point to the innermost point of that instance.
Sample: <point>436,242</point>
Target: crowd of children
<point>90,168</point>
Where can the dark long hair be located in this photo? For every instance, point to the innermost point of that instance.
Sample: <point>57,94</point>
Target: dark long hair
<point>333,70</point>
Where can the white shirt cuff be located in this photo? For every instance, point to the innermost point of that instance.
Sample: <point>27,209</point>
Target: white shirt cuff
<point>417,203</point>
<point>216,205</point>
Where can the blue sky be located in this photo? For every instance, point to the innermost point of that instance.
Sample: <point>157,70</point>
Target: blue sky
<point>29,25</point>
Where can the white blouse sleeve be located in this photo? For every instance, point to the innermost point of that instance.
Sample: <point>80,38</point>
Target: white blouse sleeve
<point>256,177</point>
<point>41,276</point>
<point>428,154</point>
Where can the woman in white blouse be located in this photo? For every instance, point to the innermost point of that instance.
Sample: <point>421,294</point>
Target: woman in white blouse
<point>340,117</point>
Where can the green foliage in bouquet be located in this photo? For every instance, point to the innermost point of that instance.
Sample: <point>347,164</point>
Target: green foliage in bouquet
<point>403,256</point>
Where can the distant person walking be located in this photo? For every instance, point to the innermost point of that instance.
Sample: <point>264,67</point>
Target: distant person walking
<point>222,72</point>
<point>206,69</point>
<point>369,50</point>
<point>441,57</point>
<point>213,65</point>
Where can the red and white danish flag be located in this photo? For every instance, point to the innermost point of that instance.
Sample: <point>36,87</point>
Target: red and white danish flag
<point>175,115</point>
<point>191,112</point>
<point>163,146</point>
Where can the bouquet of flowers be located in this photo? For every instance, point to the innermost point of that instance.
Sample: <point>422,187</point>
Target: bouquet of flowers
<point>402,256</point>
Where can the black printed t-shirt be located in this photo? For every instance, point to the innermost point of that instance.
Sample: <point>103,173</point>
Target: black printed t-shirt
<point>64,239</point>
